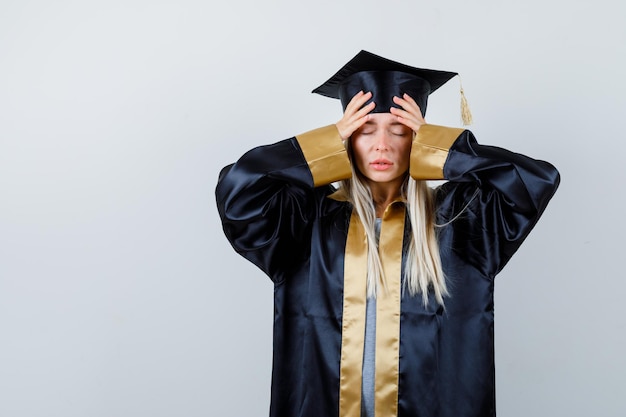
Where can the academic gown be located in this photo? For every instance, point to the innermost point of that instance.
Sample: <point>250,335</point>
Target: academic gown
<point>278,210</point>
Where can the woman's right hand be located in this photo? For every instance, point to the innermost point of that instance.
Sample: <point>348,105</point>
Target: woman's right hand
<point>355,114</point>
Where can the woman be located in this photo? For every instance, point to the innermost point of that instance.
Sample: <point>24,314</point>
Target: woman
<point>384,287</point>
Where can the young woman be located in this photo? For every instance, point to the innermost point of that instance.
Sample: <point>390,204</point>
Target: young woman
<point>384,286</point>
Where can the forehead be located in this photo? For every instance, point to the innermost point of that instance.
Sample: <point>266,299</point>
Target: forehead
<point>383,119</point>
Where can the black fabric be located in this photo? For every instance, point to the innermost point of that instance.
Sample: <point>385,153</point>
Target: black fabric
<point>274,217</point>
<point>384,78</point>
<point>384,85</point>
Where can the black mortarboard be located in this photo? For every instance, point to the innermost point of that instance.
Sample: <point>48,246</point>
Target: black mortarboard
<point>384,78</point>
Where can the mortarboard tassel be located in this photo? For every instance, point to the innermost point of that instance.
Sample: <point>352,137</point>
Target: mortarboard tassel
<point>466,114</point>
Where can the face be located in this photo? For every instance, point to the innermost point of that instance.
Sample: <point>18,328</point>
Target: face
<point>381,149</point>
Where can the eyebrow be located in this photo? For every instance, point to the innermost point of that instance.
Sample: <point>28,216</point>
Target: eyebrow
<point>373,122</point>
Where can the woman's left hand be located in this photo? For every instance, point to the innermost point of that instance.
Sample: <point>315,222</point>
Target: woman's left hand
<point>410,114</point>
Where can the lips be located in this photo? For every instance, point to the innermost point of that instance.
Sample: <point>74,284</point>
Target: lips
<point>381,164</point>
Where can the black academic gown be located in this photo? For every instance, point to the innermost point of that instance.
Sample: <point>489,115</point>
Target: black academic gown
<point>278,211</point>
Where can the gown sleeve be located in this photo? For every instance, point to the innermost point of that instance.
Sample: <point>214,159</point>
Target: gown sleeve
<point>492,198</point>
<point>266,200</point>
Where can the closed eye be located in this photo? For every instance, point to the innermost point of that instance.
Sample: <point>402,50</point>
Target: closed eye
<point>400,132</point>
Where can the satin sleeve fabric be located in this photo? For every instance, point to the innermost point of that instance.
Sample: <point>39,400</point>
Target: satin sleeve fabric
<point>492,199</point>
<point>266,200</point>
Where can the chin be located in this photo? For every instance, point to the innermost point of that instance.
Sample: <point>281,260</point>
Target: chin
<point>383,178</point>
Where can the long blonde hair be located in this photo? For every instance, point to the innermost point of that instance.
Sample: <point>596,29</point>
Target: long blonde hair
<point>422,269</point>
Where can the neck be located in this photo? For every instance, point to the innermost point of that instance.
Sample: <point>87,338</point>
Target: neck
<point>384,194</point>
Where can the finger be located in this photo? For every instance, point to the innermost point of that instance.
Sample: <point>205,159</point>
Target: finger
<point>357,101</point>
<point>401,112</point>
<point>355,114</point>
<point>408,98</point>
<point>365,110</point>
<point>407,115</point>
<point>409,119</point>
<point>360,118</point>
<point>357,119</point>
<point>411,107</point>
<point>405,119</point>
<point>408,104</point>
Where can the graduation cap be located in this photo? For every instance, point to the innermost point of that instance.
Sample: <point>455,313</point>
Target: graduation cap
<point>386,78</point>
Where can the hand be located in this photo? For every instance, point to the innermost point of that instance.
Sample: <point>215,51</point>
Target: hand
<point>410,114</point>
<point>355,114</point>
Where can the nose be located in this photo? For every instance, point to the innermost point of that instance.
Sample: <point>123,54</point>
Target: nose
<point>382,143</point>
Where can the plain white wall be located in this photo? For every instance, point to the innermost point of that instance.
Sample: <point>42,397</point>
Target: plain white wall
<point>119,295</point>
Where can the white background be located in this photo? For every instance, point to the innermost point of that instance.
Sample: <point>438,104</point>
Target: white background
<point>120,296</point>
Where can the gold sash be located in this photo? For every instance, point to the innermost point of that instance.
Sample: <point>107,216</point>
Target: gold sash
<point>387,316</point>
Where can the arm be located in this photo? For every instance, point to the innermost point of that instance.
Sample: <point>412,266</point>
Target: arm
<point>499,194</point>
<point>266,200</point>
<point>505,192</point>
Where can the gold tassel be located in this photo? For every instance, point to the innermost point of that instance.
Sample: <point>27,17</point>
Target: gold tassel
<point>466,114</point>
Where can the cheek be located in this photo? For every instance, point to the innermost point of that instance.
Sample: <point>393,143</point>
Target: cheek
<point>405,162</point>
<point>358,159</point>
<point>406,144</point>
<point>358,146</point>
<point>358,142</point>
<point>405,154</point>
